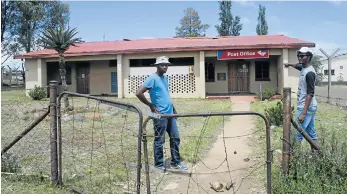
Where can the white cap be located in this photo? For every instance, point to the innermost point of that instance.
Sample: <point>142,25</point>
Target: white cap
<point>162,60</point>
<point>305,50</point>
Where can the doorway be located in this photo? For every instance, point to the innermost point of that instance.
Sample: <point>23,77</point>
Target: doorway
<point>238,77</point>
<point>82,76</point>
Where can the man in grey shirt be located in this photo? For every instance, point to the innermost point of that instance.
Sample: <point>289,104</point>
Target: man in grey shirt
<point>307,103</point>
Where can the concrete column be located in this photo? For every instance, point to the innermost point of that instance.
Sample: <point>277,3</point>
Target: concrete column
<point>120,76</point>
<point>285,70</point>
<point>202,82</point>
<point>41,73</point>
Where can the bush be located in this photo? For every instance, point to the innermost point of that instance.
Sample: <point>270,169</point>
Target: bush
<point>10,163</point>
<point>313,173</point>
<point>38,93</point>
<point>275,114</point>
<point>267,94</point>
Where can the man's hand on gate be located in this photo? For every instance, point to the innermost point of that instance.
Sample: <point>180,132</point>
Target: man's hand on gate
<point>153,108</point>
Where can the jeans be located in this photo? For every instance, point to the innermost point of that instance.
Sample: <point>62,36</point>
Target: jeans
<point>170,126</point>
<point>308,124</point>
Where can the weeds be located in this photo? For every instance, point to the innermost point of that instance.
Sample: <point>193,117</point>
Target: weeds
<point>312,173</point>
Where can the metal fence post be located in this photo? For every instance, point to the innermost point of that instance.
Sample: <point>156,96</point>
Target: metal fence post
<point>53,138</point>
<point>261,91</point>
<point>286,128</point>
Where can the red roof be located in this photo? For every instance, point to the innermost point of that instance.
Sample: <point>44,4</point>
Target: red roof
<point>173,45</point>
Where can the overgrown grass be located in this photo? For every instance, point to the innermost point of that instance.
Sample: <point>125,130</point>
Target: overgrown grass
<point>310,173</point>
<point>96,147</point>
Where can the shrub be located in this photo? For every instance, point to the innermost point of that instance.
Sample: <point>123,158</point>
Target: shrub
<point>267,94</point>
<point>313,173</point>
<point>275,114</point>
<point>10,163</point>
<point>38,93</point>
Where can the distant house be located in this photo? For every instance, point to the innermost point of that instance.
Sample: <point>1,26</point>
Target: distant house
<point>338,70</point>
<point>201,66</point>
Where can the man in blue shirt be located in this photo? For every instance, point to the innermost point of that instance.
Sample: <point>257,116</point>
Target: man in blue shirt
<point>158,86</point>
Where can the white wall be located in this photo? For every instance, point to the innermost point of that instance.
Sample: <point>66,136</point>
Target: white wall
<point>336,64</point>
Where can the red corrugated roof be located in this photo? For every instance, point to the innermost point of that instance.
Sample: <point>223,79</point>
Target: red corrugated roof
<point>174,45</point>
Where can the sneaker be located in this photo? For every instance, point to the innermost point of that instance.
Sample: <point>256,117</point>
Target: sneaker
<point>179,166</point>
<point>160,169</point>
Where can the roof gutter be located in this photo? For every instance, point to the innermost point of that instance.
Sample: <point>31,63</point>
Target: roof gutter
<point>177,49</point>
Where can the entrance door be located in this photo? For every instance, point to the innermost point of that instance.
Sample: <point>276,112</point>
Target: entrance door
<point>82,73</point>
<point>238,77</point>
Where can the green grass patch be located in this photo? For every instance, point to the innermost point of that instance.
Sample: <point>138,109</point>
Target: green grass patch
<point>310,173</point>
<point>95,150</point>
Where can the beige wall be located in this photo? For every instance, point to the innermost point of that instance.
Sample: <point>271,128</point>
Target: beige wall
<point>36,73</point>
<point>218,86</point>
<point>100,77</point>
<point>288,77</point>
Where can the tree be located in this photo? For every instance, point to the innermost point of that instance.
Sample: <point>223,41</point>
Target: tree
<point>317,65</point>
<point>22,22</point>
<point>229,26</point>
<point>262,28</point>
<point>60,40</point>
<point>191,25</point>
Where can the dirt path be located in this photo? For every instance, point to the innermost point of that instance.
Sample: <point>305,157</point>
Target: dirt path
<point>239,159</point>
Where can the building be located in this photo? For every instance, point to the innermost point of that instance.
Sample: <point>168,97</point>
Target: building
<point>338,70</point>
<point>202,66</point>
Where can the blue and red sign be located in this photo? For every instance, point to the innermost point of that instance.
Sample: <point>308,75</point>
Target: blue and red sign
<point>243,54</point>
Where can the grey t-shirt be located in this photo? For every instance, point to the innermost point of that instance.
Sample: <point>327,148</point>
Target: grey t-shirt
<point>306,85</point>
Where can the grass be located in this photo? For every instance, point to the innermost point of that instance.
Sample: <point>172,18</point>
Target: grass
<point>97,142</point>
<point>309,173</point>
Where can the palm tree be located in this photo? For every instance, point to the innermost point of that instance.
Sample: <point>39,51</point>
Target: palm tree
<point>60,40</point>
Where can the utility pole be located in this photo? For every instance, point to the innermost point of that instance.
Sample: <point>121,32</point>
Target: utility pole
<point>329,69</point>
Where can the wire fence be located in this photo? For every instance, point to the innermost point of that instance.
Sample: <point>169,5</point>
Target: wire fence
<point>224,163</point>
<point>99,145</point>
<point>29,157</point>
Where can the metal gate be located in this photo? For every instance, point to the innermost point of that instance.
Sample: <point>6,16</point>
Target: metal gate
<point>238,77</point>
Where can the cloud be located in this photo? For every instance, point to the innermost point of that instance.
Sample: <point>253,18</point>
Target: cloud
<point>273,19</point>
<point>146,37</point>
<point>283,33</point>
<point>245,3</point>
<point>335,2</point>
<point>328,47</point>
<point>245,20</point>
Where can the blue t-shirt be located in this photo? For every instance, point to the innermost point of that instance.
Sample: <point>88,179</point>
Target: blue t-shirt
<point>159,93</point>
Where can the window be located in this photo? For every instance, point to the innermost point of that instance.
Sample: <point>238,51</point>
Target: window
<point>209,72</point>
<point>182,61</point>
<point>262,71</point>
<point>326,72</point>
<point>341,67</point>
<point>112,63</point>
<point>53,72</point>
<point>333,72</point>
<point>142,62</point>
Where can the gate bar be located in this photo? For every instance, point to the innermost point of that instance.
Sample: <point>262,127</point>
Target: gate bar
<point>268,139</point>
<point>121,105</point>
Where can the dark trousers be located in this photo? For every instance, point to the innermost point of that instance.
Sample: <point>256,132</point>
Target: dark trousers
<point>170,126</point>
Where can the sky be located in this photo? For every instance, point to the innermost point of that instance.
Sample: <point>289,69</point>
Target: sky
<point>324,23</point>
